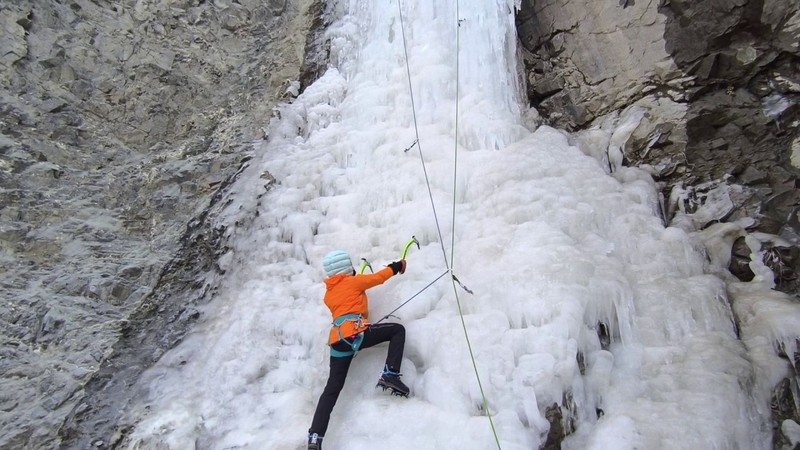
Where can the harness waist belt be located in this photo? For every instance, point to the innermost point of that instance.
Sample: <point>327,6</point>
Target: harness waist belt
<point>359,338</point>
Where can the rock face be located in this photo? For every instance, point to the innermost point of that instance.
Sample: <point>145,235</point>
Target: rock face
<point>715,83</point>
<point>587,59</point>
<point>159,323</point>
<point>118,123</point>
<point>711,93</point>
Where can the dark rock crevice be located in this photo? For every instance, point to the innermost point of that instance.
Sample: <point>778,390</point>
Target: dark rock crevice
<point>317,48</point>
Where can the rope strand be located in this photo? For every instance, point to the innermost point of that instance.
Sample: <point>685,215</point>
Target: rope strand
<point>412,297</point>
<point>416,132</point>
<point>455,146</point>
<point>454,280</point>
<point>453,238</point>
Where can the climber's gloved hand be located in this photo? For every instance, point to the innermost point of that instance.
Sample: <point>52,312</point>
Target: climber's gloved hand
<point>398,266</point>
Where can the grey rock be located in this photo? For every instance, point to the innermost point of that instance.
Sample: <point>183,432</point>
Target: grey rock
<point>751,175</point>
<point>721,103</point>
<point>783,407</point>
<point>118,123</point>
<point>14,24</point>
<point>556,433</point>
<point>603,52</point>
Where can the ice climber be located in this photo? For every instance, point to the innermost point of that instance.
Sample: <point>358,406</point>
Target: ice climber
<point>346,297</point>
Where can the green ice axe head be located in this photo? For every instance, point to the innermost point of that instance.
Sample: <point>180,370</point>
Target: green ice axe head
<point>364,266</point>
<point>410,243</point>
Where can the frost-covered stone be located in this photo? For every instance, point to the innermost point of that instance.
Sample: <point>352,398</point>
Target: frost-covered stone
<point>720,97</point>
<point>118,122</point>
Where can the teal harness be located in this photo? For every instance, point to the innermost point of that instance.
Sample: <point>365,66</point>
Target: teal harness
<point>356,344</point>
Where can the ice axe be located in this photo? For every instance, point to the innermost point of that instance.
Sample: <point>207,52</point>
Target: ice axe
<point>410,243</point>
<point>364,266</point>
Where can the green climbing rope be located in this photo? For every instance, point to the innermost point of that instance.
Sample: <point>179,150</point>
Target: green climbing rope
<point>433,206</point>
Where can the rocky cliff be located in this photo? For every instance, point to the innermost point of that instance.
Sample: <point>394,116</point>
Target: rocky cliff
<point>716,85</point>
<point>120,125</point>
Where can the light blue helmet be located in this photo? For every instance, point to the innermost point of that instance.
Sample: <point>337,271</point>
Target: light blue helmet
<point>337,262</point>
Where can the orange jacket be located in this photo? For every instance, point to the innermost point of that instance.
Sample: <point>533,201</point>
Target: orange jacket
<point>346,294</point>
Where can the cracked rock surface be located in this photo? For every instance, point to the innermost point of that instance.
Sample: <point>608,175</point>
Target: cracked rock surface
<point>713,86</point>
<point>119,121</point>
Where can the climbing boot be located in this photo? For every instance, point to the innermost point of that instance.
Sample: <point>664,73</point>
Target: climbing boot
<point>390,379</point>
<point>314,441</point>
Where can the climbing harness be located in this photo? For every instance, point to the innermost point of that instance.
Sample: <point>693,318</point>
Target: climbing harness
<point>355,344</point>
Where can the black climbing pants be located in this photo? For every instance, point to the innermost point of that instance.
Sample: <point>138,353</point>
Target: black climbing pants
<point>375,334</point>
